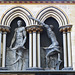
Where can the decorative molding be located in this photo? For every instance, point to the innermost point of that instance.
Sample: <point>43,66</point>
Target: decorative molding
<point>4,28</point>
<point>54,12</point>
<point>65,28</point>
<point>34,28</point>
<point>37,2</point>
<point>15,12</point>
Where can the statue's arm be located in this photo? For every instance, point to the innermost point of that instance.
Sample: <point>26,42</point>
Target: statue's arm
<point>24,34</point>
<point>45,25</point>
<point>13,40</point>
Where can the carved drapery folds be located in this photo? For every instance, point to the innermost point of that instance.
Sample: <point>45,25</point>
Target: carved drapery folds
<point>66,30</point>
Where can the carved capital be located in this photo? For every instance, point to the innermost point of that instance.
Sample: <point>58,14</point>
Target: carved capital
<point>4,32</point>
<point>30,31</point>
<point>34,28</point>
<point>68,29</point>
<point>65,28</point>
<point>4,28</point>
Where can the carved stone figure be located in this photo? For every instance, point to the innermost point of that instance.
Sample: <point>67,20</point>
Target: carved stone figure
<point>53,51</point>
<point>52,36</point>
<point>52,55</point>
<point>19,39</point>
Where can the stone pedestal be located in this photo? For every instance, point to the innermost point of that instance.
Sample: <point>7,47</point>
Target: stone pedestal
<point>34,46</point>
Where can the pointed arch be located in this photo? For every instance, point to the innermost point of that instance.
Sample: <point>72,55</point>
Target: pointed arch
<point>53,12</point>
<point>15,12</point>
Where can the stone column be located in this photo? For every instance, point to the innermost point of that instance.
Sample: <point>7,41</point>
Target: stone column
<point>4,29</point>
<point>4,49</point>
<point>34,46</point>
<point>69,46</point>
<point>34,50</point>
<point>65,49</point>
<point>30,49</point>
<point>38,48</point>
<point>0,45</point>
<point>63,30</point>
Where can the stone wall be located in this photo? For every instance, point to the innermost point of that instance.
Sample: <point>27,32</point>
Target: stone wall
<point>69,11</point>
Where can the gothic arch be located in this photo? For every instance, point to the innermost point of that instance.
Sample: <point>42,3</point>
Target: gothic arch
<point>15,12</point>
<point>53,12</point>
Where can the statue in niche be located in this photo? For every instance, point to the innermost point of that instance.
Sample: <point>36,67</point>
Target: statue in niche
<point>53,51</point>
<point>52,60</point>
<point>19,39</point>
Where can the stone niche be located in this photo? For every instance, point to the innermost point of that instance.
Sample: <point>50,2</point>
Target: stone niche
<point>10,55</point>
<point>44,42</point>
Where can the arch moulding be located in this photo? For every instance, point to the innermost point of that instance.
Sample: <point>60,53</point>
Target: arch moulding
<point>15,12</point>
<point>52,12</point>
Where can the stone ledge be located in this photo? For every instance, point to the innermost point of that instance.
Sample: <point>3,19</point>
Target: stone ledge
<point>38,71</point>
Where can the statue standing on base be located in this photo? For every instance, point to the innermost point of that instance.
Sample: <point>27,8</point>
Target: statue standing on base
<point>53,51</point>
<point>19,39</point>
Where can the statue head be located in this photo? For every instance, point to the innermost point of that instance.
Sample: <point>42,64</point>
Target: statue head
<point>19,23</point>
<point>51,26</point>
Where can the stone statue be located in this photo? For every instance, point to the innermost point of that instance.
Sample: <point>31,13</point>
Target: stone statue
<point>52,36</point>
<point>53,51</point>
<point>19,39</point>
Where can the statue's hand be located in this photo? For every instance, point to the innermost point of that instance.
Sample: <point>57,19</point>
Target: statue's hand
<point>10,47</point>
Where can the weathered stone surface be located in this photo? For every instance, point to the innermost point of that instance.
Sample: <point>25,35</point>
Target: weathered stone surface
<point>69,10</point>
<point>10,58</point>
<point>43,58</point>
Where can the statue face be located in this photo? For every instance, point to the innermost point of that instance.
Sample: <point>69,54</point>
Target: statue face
<point>51,26</point>
<point>19,23</point>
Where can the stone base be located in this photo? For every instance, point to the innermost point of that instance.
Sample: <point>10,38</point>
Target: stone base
<point>67,68</point>
<point>3,68</point>
<point>49,69</point>
<point>36,68</point>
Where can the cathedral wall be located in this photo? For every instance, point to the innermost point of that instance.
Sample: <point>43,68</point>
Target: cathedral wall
<point>34,9</point>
